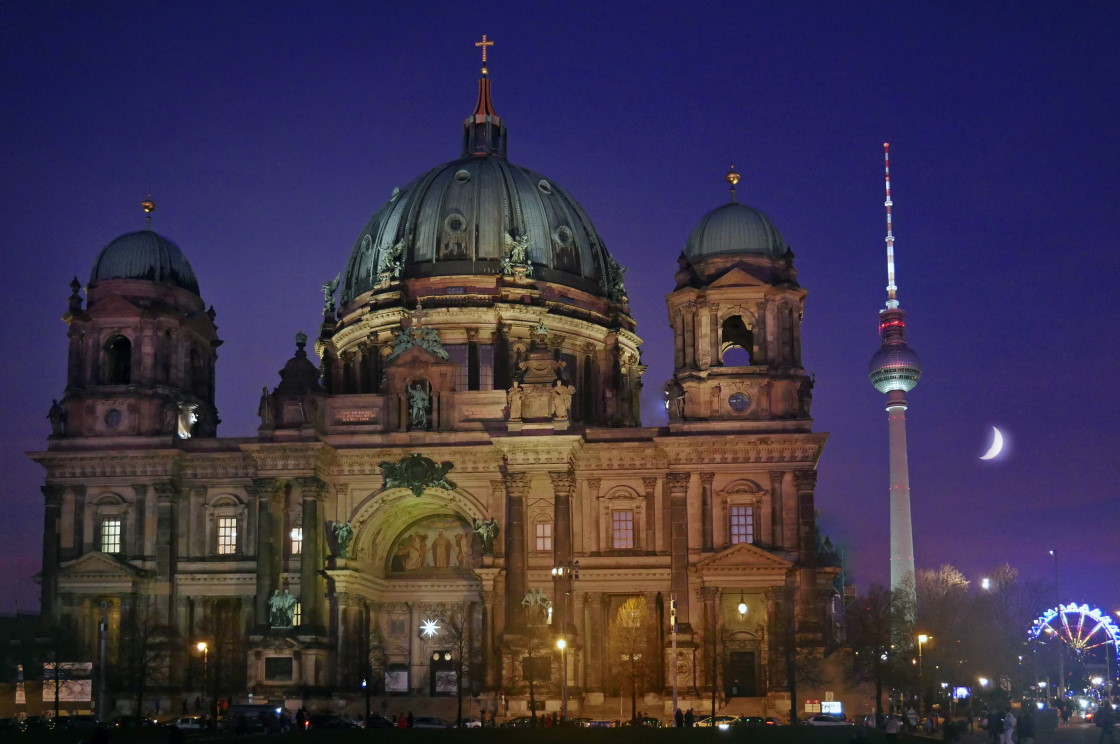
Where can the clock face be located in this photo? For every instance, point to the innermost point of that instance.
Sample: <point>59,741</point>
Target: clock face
<point>739,402</point>
<point>113,418</point>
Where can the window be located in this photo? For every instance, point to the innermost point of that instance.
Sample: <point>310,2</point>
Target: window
<point>396,627</point>
<point>622,529</point>
<point>742,524</point>
<point>297,615</point>
<point>227,535</point>
<point>110,536</point>
<point>543,532</point>
<point>118,361</point>
<point>483,367</point>
<point>297,540</point>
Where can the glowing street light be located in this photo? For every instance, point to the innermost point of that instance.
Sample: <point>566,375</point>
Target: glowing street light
<point>922,640</point>
<point>983,681</point>
<point>563,646</point>
<point>205,651</point>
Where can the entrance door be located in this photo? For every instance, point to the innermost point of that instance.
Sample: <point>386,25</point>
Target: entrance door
<point>739,677</point>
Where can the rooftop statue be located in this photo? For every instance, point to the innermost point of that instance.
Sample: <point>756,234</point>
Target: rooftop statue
<point>328,294</point>
<point>416,473</point>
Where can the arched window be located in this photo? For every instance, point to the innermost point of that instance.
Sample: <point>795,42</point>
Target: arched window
<point>199,381</point>
<point>118,361</point>
<point>736,342</point>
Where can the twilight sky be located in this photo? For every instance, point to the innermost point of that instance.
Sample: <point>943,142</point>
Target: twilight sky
<point>268,133</point>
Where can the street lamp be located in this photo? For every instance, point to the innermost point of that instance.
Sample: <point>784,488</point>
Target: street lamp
<point>365,689</point>
<point>205,651</point>
<point>563,646</point>
<point>922,640</point>
<point>742,605</point>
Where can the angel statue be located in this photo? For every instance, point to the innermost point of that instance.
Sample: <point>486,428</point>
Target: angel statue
<point>343,535</point>
<point>328,294</point>
<point>487,531</point>
<point>537,603</point>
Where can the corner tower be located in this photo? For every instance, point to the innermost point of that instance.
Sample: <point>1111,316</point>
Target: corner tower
<point>895,370</point>
<point>736,319</point>
<point>143,346</point>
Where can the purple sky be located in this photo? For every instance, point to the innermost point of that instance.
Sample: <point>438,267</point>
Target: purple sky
<point>268,136</point>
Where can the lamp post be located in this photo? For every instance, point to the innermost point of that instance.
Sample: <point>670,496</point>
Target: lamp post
<point>205,651</point>
<point>563,646</point>
<point>365,689</point>
<point>673,632</point>
<point>922,640</point>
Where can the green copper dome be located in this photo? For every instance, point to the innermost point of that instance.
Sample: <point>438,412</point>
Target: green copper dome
<point>735,228</point>
<point>147,255</point>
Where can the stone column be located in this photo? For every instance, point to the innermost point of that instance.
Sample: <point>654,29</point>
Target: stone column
<point>596,541</point>
<point>807,615</point>
<point>489,665</point>
<point>473,361</point>
<point>706,515</point>
<point>563,482</point>
<point>649,485</point>
<point>653,635</point>
<point>678,541</point>
<point>713,339</point>
<point>136,543</point>
<point>79,494</point>
<point>267,581</point>
<point>311,557</point>
<point>52,521</point>
<point>678,339</point>
<point>517,488</point>
<point>777,506</point>
<point>166,546</point>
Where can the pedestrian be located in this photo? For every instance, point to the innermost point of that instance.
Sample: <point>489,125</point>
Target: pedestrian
<point>893,726</point>
<point>970,728</point>
<point>1107,722</point>
<point>410,719</point>
<point>678,719</point>
<point>689,718</point>
<point>1025,726</point>
<point>1009,727</point>
<point>401,721</point>
<point>301,718</point>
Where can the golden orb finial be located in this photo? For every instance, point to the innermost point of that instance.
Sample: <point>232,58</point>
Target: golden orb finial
<point>148,205</point>
<point>732,176</point>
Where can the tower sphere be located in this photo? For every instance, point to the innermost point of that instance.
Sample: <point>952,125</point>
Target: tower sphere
<point>144,254</point>
<point>895,366</point>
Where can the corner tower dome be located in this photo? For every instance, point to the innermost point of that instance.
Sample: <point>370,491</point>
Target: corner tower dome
<point>735,228</point>
<point>144,254</point>
<point>459,218</point>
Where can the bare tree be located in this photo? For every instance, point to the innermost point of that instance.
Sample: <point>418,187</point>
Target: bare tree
<point>629,643</point>
<point>465,656</point>
<point>533,648</point>
<point>143,647</point>
<point>870,621</point>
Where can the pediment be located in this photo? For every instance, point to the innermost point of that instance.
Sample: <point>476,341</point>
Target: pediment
<point>417,356</point>
<point>736,277</point>
<point>744,557</point>
<point>114,305</point>
<point>100,566</point>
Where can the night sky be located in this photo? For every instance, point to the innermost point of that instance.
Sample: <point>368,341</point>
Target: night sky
<point>268,133</point>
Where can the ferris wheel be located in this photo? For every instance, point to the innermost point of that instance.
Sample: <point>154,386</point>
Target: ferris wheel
<point>1081,628</point>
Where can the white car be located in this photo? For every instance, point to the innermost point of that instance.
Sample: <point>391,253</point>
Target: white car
<point>189,723</point>
<point>429,722</point>
<point>823,719</point>
<point>471,722</point>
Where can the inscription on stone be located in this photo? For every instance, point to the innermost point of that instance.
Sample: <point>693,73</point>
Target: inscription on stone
<point>356,416</point>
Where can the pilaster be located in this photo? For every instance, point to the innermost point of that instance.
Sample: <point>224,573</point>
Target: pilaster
<point>678,531</point>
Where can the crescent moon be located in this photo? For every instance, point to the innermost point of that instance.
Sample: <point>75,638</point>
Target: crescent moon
<point>997,445</point>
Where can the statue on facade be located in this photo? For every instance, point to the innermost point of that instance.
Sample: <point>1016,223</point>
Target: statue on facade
<point>417,473</point>
<point>328,294</point>
<point>389,263</point>
<point>616,290</point>
<point>343,535</point>
<point>418,399</point>
<point>561,399</point>
<point>805,393</point>
<point>187,419</point>
<point>536,602</point>
<point>515,262</point>
<point>281,609</point>
<point>266,410</point>
<point>674,400</point>
<point>487,531</point>
<point>57,416</point>
<point>515,396</point>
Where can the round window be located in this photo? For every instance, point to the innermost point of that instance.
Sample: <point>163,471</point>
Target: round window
<point>544,186</point>
<point>564,235</point>
<point>455,223</point>
<point>113,418</point>
<point>739,402</point>
<point>462,176</point>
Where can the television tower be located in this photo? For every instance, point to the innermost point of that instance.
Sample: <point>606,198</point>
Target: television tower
<point>895,370</point>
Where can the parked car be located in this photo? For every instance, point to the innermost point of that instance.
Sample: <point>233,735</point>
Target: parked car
<point>82,722</point>
<point>722,722</point>
<point>189,723</point>
<point>520,722</point>
<point>645,722</point>
<point>329,721</point>
<point>470,722</point>
<point>134,722</point>
<point>10,725</point>
<point>750,721</point>
<point>37,723</point>
<point>430,722</point>
<point>825,719</point>
<point>578,722</point>
<point>379,722</point>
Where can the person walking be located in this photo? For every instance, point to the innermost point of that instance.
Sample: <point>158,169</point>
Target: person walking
<point>1009,727</point>
<point>689,718</point>
<point>678,718</point>
<point>892,727</point>
<point>1106,719</point>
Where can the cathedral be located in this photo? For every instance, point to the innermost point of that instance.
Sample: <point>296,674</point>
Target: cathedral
<point>462,480</point>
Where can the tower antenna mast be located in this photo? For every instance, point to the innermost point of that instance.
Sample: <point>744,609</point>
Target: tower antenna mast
<point>892,288</point>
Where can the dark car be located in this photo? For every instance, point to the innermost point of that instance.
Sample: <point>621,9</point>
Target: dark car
<point>379,722</point>
<point>134,722</point>
<point>646,722</point>
<point>521,722</point>
<point>37,723</point>
<point>329,721</point>
<point>750,721</point>
<point>10,725</point>
<point>77,723</point>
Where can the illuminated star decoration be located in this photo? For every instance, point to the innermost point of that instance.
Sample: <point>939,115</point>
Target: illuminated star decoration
<point>429,628</point>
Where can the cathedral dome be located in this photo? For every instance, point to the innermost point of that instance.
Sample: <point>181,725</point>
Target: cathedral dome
<point>735,228</point>
<point>457,219</point>
<point>144,254</point>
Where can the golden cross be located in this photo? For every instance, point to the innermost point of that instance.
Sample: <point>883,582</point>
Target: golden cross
<point>484,43</point>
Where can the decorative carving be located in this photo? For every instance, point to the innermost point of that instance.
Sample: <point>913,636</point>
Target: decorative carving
<point>57,416</point>
<point>187,419</point>
<point>390,263</point>
<point>674,400</point>
<point>561,400</point>
<point>328,294</point>
<point>417,335</point>
<point>678,483</point>
<point>806,480</point>
<point>515,262</point>
<point>417,473</point>
<point>418,399</point>
<point>514,397</point>
<point>343,535</point>
<point>281,609</point>
<point>616,290</point>
<point>517,484</point>
<point>706,479</point>
<point>563,481</point>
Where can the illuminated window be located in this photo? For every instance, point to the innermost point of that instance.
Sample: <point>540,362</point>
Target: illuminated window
<point>483,366</point>
<point>622,529</point>
<point>227,535</point>
<point>297,540</point>
<point>544,536</point>
<point>742,524</point>
<point>297,614</point>
<point>110,536</point>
